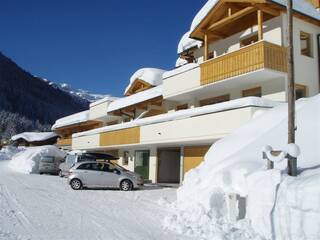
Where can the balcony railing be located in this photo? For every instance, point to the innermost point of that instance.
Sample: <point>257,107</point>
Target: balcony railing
<point>64,142</point>
<point>248,59</point>
<point>120,137</point>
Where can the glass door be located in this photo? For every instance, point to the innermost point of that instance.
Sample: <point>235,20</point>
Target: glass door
<point>141,163</point>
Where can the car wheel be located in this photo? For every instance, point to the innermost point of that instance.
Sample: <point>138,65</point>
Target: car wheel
<point>60,174</point>
<point>76,184</point>
<point>126,185</point>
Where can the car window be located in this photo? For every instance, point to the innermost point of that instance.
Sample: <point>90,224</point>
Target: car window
<point>71,159</point>
<point>85,166</point>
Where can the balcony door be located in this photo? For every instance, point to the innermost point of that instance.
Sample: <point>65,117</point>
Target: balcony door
<point>141,163</point>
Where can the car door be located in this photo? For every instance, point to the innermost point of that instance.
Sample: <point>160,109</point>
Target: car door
<point>110,176</point>
<point>90,174</point>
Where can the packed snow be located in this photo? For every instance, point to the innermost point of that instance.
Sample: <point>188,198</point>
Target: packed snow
<point>187,43</point>
<point>182,114</point>
<point>45,207</point>
<point>179,70</point>
<point>71,119</point>
<point>135,98</point>
<point>278,206</point>
<point>27,161</point>
<point>103,100</point>
<point>152,76</point>
<point>180,62</point>
<point>34,136</point>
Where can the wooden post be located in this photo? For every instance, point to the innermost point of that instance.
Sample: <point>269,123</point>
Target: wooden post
<point>292,161</point>
<point>229,12</point>
<point>206,47</point>
<point>260,24</point>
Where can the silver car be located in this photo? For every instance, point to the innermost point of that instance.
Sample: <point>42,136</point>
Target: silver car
<point>103,174</point>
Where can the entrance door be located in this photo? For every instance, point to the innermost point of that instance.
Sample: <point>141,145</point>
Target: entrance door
<point>141,163</point>
<point>169,165</point>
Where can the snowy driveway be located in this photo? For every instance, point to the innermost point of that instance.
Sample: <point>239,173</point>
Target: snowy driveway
<point>45,207</point>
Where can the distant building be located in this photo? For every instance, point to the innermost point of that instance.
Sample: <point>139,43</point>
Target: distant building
<point>35,139</point>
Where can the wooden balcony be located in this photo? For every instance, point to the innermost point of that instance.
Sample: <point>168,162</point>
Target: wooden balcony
<point>120,137</point>
<point>257,56</point>
<point>64,142</point>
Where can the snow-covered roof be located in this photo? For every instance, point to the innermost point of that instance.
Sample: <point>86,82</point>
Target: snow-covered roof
<point>135,98</point>
<point>180,62</point>
<point>301,6</point>
<point>34,136</point>
<point>72,119</point>
<point>103,100</point>
<point>182,114</point>
<point>152,76</point>
<point>179,70</point>
<point>186,43</point>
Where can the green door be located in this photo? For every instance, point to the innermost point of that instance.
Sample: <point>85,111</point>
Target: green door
<point>141,163</point>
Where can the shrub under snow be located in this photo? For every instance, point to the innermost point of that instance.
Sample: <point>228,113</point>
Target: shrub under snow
<point>277,206</point>
<point>28,160</point>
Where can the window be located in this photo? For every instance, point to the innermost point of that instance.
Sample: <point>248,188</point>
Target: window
<point>301,91</point>
<point>215,100</point>
<point>306,44</point>
<point>253,92</point>
<point>85,166</point>
<point>181,107</point>
<point>249,40</point>
<point>71,159</point>
<point>125,159</point>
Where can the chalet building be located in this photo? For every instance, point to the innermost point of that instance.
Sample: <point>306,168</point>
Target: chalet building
<point>232,65</point>
<point>32,139</point>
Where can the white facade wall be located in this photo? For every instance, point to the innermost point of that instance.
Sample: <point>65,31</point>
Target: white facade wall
<point>205,127</point>
<point>86,142</point>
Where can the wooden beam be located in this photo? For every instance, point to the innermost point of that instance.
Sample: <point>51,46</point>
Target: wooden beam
<point>266,8</point>
<point>206,47</point>
<point>260,24</point>
<point>229,12</point>
<point>231,18</point>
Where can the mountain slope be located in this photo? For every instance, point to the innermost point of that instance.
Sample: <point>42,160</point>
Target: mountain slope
<point>26,98</point>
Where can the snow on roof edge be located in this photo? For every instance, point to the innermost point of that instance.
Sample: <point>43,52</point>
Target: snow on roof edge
<point>71,119</point>
<point>34,136</point>
<point>106,99</point>
<point>182,114</point>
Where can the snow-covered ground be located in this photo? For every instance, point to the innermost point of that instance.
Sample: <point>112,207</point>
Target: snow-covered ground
<point>45,207</point>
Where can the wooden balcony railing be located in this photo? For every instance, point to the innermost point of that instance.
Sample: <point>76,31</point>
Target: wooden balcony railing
<point>120,137</point>
<point>64,142</point>
<point>248,59</point>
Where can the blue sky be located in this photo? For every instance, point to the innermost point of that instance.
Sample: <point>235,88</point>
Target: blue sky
<point>97,44</point>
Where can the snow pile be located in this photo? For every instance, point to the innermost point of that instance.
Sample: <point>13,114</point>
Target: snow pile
<point>182,114</point>
<point>152,76</point>
<point>27,161</point>
<point>180,62</point>
<point>72,119</point>
<point>179,70</point>
<point>234,165</point>
<point>34,136</point>
<point>8,152</point>
<point>187,43</point>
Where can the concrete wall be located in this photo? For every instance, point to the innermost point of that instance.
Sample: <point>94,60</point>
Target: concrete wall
<point>86,142</point>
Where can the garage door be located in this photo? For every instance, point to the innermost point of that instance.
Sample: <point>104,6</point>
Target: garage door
<point>193,156</point>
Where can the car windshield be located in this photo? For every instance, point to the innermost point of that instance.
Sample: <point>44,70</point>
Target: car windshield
<point>119,167</point>
<point>71,159</point>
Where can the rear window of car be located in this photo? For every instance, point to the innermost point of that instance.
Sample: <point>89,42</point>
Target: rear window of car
<point>85,166</point>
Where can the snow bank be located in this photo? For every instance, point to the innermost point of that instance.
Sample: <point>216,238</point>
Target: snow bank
<point>187,43</point>
<point>182,114</point>
<point>301,6</point>
<point>226,170</point>
<point>27,161</point>
<point>8,152</point>
<point>153,76</point>
<point>179,70</point>
<point>72,119</point>
<point>34,136</point>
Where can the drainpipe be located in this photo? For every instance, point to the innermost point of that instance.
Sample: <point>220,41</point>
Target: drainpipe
<point>318,41</point>
<point>181,163</point>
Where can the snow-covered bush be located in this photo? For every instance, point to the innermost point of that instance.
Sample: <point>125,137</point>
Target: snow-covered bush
<point>28,160</point>
<point>7,152</point>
